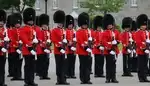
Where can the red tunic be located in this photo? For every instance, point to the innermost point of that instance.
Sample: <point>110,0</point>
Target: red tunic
<point>27,37</point>
<point>98,42</point>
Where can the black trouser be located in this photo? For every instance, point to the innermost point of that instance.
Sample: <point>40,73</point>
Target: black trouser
<point>142,66</point>
<point>10,64</point>
<point>84,68</point>
<point>29,68</point>
<point>110,67</point>
<point>99,64</point>
<point>17,65</point>
<point>43,65</point>
<point>127,62</point>
<point>2,69</point>
<point>134,64</point>
<point>90,64</point>
<point>71,58</point>
<point>60,67</point>
<point>148,66</point>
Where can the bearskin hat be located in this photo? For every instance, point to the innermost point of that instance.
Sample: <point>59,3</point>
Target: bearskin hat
<point>43,19</point>
<point>127,22</point>
<point>83,19</point>
<point>108,20</point>
<point>134,26</point>
<point>69,20</point>
<point>3,16</point>
<point>59,17</point>
<point>9,22</point>
<point>148,27</point>
<point>37,21</point>
<point>17,18</point>
<point>29,15</point>
<point>142,20</point>
<point>98,22</point>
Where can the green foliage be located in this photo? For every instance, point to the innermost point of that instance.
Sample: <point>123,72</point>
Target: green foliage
<point>7,4</point>
<point>103,6</point>
<point>118,27</point>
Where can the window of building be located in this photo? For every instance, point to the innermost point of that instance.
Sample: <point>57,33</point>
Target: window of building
<point>55,4</point>
<point>134,3</point>
<point>75,4</point>
<point>37,5</point>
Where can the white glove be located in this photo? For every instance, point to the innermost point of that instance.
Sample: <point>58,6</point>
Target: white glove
<point>112,52</point>
<point>74,39</point>
<point>4,50</point>
<point>35,41</point>
<point>73,48</point>
<point>147,51</point>
<point>48,41</point>
<point>114,42</point>
<point>101,48</point>
<point>6,39</point>
<point>128,50</point>
<point>47,51</point>
<point>64,40</point>
<point>33,52</point>
<point>20,42</point>
<point>148,41</point>
<point>62,51</point>
<point>89,50</point>
<point>18,51</point>
<point>90,38</point>
<point>131,40</point>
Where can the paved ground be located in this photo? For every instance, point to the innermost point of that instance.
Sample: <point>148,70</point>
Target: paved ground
<point>123,81</point>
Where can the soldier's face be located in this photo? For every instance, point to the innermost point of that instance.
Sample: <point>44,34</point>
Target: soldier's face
<point>1,23</point>
<point>127,29</point>
<point>70,26</point>
<point>84,26</point>
<point>143,27</point>
<point>30,22</point>
<point>17,25</point>
<point>45,27</point>
<point>99,28</point>
<point>110,27</point>
<point>60,25</point>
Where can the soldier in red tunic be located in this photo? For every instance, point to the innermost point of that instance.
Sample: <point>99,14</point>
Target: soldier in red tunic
<point>71,47</point>
<point>43,49</point>
<point>110,40</point>
<point>84,48</point>
<point>58,37</point>
<point>142,42</point>
<point>98,49</point>
<point>30,36</point>
<point>15,48</point>
<point>148,29</point>
<point>134,59</point>
<point>128,47</point>
<point>3,49</point>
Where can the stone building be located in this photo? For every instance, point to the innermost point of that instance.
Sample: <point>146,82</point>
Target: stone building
<point>131,8</point>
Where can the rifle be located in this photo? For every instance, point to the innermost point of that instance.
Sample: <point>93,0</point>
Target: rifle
<point>6,41</point>
<point>20,48</point>
<point>34,45</point>
<point>131,45</point>
<point>147,41</point>
<point>48,42</point>
<point>114,46</point>
<point>90,42</point>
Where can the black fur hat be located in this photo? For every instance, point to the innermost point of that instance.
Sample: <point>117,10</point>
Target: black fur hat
<point>29,15</point>
<point>43,19</point>
<point>59,17</point>
<point>17,18</point>
<point>108,20</point>
<point>134,26</point>
<point>98,22</point>
<point>9,22</point>
<point>142,20</point>
<point>148,27</point>
<point>83,19</point>
<point>37,20</point>
<point>127,22</point>
<point>3,16</point>
<point>69,20</point>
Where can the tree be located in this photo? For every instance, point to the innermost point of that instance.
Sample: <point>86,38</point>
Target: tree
<point>18,5</point>
<point>103,6</point>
